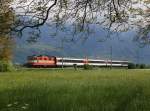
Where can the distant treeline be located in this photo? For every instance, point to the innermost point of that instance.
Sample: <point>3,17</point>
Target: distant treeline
<point>138,66</point>
<point>8,66</point>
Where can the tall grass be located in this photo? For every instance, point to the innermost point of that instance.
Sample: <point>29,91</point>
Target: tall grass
<point>70,90</point>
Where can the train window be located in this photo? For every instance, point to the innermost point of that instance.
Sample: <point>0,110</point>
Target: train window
<point>51,58</point>
<point>116,62</point>
<point>39,58</point>
<point>45,58</point>
<point>73,61</point>
<point>124,62</point>
<point>96,61</point>
<point>85,61</point>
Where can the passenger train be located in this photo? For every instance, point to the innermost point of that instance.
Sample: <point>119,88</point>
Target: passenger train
<point>52,61</point>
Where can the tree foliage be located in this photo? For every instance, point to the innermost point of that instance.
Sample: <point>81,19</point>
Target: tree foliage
<point>6,47</point>
<point>116,15</point>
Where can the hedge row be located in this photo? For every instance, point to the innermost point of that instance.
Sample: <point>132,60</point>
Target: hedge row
<point>136,66</point>
<point>6,66</point>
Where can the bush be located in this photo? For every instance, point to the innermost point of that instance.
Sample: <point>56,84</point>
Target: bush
<point>6,66</point>
<point>75,66</point>
<point>131,66</point>
<point>137,66</point>
<point>88,67</point>
<point>142,66</point>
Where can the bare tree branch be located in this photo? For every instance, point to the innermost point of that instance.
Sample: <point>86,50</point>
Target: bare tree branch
<point>79,15</point>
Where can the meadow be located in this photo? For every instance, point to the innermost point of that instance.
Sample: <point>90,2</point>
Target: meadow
<point>70,90</point>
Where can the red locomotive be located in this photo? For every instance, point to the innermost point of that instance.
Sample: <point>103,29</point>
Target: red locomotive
<point>52,61</point>
<point>41,61</point>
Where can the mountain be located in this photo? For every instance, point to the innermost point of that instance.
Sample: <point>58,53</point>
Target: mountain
<point>123,47</point>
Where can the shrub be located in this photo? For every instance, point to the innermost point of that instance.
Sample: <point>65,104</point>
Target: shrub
<point>131,66</point>
<point>142,66</point>
<point>75,66</point>
<point>88,67</point>
<point>6,66</point>
<point>137,66</point>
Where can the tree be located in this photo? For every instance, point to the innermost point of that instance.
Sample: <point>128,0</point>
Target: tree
<point>6,45</point>
<point>116,15</point>
<point>6,42</point>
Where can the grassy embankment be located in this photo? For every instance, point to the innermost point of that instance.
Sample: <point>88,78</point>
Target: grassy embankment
<point>81,90</point>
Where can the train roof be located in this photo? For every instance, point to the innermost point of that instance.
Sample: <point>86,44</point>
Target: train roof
<point>40,56</point>
<point>72,58</point>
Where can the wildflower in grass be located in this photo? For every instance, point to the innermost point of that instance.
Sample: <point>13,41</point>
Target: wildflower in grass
<point>15,103</point>
<point>26,104</point>
<point>9,105</point>
<point>24,107</point>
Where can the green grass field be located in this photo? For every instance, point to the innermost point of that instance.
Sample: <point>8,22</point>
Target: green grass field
<point>70,90</point>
